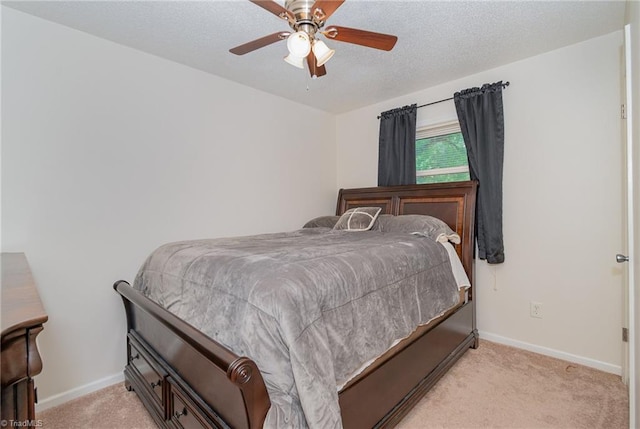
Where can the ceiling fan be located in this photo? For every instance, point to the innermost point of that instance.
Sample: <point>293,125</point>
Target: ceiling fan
<point>307,19</point>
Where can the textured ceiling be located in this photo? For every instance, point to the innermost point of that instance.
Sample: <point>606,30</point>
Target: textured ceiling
<point>438,41</point>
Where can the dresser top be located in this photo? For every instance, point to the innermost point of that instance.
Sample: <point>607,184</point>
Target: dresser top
<point>21,305</point>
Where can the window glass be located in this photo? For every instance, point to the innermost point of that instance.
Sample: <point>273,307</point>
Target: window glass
<point>441,155</point>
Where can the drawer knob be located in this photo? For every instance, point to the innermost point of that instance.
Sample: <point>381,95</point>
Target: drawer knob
<point>181,413</point>
<point>135,357</point>
<point>156,384</point>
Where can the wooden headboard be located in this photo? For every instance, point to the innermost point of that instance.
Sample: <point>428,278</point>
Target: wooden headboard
<point>454,203</point>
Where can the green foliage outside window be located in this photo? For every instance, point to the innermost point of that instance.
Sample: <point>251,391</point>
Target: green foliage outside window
<point>444,151</point>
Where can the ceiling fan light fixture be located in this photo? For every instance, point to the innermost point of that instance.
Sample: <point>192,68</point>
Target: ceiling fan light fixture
<point>307,18</point>
<point>299,44</point>
<point>295,61</point>
<point>322,52</point>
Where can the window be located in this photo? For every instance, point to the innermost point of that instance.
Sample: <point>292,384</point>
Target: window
<point>440,154</point>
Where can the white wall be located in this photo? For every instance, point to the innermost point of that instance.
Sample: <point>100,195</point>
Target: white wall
<point>108,152</point>
<point>562,198</point>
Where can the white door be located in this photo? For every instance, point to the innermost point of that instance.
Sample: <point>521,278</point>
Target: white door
<point>631,367</point>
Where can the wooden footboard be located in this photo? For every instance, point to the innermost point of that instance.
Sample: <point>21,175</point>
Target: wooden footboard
<point>185,378</point>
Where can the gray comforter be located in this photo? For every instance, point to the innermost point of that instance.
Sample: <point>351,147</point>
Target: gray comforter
<point>310,307</point>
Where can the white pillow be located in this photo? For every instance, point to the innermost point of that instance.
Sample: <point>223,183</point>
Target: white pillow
<point>358,219</point>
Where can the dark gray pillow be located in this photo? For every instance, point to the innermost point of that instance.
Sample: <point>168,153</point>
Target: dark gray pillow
<point>322,222</point>
<point>358,219</point>
<point>424,225</point>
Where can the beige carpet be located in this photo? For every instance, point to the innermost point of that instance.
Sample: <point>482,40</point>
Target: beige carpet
<point>494,386</point>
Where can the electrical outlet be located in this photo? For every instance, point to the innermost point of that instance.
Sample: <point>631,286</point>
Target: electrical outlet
<point>536,309</point>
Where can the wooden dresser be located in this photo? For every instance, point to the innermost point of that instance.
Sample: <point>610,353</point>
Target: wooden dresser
<point>22,319</point>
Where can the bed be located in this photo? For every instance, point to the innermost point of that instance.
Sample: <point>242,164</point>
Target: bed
<point>186,379</point>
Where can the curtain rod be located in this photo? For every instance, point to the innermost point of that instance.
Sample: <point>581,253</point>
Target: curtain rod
<point>504,85</point>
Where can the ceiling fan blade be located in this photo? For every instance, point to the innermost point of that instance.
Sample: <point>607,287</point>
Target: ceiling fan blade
<point>259,43</point>
<point>275,9</point>
<point>327,7</point>
<point>314,69</point>
<point>386,42</point>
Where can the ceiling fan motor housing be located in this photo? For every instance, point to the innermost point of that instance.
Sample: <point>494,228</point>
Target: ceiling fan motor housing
<point>306,20</point>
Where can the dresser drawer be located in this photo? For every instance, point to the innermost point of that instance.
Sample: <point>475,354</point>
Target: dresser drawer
<point>185,414</point>
<point>149,372</point>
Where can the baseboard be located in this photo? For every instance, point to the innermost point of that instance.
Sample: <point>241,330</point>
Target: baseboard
<point>592,363</point>
<point>69,395</point>
<point>61,398</point>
